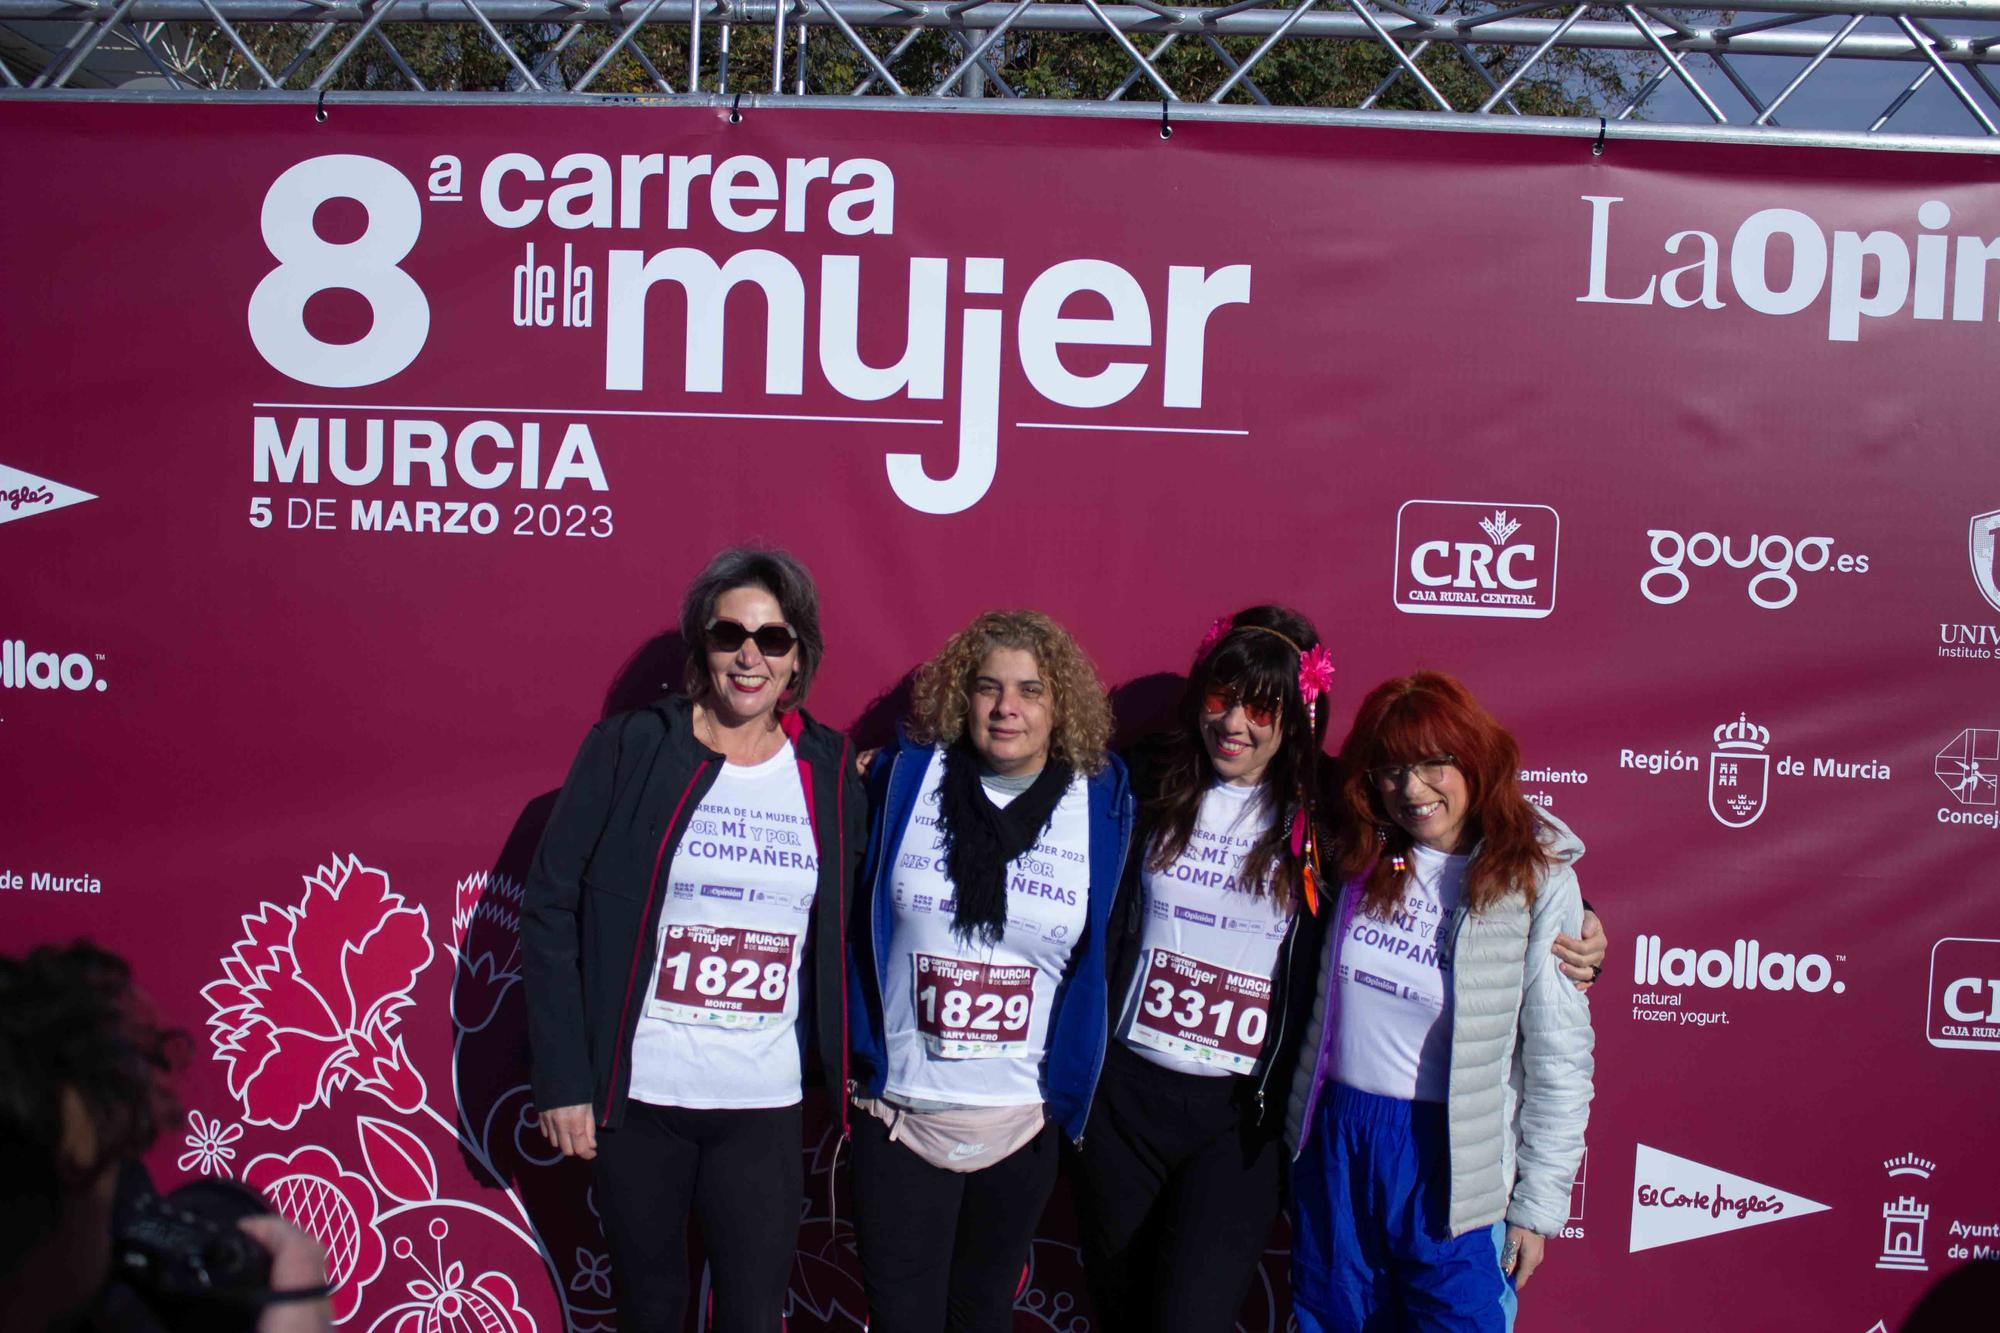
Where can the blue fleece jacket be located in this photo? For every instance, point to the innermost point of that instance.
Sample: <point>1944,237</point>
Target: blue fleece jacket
<point>1079,1024</point>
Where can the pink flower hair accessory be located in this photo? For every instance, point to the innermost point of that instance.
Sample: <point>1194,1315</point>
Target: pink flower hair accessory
<point>1216,631</point>
<point>1315,673</point>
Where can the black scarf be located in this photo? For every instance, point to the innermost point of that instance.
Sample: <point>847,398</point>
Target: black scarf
<point>980,838</point>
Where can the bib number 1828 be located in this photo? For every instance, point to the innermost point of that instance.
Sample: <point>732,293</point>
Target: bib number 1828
<point>723,976</point>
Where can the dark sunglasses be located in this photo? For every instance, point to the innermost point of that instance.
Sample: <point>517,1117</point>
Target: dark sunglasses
<point>1222,698</point>
<point>726,636</point>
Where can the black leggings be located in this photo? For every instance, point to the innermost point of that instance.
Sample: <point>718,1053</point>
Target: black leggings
<point>943,1250</point>
<point>1176,1193</point>
<point>741,1172</point>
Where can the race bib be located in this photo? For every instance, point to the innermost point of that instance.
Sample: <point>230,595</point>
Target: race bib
<point>723,976</point>
<point>970,1011</point>
<point>1202,1011</point>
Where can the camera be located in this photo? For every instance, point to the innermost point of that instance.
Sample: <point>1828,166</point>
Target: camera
<point>183,1255</point>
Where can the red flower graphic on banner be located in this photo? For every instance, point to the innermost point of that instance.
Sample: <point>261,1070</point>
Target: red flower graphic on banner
<point>486,946</point>
<point>311,995</point>
<point>336,1207</point>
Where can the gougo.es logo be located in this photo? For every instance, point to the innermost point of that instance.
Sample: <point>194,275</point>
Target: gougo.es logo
<point>1777,561</point>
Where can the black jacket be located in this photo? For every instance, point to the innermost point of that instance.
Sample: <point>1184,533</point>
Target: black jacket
<point>1269,1084</point>
<point>590,922</point>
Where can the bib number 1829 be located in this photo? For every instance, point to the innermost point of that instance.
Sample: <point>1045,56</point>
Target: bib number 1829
<point>968,1010</point>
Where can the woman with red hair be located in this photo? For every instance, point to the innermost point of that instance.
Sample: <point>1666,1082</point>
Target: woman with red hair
<point>1445,1079</point>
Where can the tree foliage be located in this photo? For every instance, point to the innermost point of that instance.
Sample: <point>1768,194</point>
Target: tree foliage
<point>1296,72</point>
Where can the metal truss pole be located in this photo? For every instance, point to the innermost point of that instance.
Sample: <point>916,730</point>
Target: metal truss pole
<point>56,46</point>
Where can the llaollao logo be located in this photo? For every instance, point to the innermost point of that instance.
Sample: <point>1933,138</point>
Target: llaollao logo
<point>1744,965</point>
<point>22,668</point>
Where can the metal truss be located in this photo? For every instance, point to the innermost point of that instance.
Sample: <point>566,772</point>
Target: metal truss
<point>1743,66</point>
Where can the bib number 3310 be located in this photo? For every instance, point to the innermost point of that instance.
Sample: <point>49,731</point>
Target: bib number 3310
<point>1203,1011</point>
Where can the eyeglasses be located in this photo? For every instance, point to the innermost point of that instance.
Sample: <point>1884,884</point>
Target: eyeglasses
<point>1429,771</point>
<point>726,636</point>
<point>1222,698</point>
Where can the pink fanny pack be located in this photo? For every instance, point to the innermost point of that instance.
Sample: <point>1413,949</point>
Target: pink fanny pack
<point>960,1140</point>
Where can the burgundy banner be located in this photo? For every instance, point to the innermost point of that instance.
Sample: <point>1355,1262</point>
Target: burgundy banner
<point>357,467</point>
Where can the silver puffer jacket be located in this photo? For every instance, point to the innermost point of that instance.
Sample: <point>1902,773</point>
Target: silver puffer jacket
<point>1521,1044</point>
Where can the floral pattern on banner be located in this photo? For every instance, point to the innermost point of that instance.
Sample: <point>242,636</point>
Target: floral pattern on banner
<point>311,997</point>
<point>486,945</point>
<point>446,1303</point>
<point>490,1230</point>
<point>208,1146</point>
<point>333,1205</point>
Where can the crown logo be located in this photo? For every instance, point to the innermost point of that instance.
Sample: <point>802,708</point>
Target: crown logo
<point>1742,734</point>
<point>1499,528</point>
<point>1909,1164</point>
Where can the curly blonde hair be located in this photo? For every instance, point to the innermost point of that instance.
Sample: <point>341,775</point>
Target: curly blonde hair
<point>941,695</point>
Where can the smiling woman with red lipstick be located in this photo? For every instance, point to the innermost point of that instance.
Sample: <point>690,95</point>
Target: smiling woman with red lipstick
<point>1181,1173</point>
<point>683,938</point>
<point>1215,947</point>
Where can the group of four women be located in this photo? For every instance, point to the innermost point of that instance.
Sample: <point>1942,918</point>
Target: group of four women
<point>1006,939</point>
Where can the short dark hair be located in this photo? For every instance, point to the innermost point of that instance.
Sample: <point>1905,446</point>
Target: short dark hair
<point>70,1018</point>
<point>777,573</point>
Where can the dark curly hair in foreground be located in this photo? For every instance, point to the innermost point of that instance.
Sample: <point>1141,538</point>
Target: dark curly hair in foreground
<point>72,1024</point>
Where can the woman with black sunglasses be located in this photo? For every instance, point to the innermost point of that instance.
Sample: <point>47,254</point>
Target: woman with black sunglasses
<point>683,932</point>
<point>1181,1172</point>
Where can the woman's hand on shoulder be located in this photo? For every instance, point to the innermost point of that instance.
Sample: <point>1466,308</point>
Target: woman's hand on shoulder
<point>865,759</point>
<point>1582,960</point>
<point>571,1129</point>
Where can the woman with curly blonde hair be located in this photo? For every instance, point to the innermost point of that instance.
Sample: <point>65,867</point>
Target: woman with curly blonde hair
<point>1000,828</point>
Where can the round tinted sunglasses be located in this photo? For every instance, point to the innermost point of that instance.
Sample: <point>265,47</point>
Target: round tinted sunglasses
<point>1222,698</point>
<point>726,636</point>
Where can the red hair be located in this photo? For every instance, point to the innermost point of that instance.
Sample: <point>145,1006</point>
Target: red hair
<point>1413,718</point>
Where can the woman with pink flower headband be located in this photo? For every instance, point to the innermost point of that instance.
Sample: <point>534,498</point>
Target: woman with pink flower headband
<point>1181,1171</point>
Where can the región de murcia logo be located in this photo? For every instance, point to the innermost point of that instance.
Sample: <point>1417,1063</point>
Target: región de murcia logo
<point>1740,767</point>
<point>1739,772</point>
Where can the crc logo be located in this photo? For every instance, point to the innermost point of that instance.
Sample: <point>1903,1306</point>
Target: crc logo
<point>1964,1013</point>
<point>24,495</point>
<point>1979,546</point>
<point>1476,558</point>
<point>1774,557</point>
<point>1739,772</point>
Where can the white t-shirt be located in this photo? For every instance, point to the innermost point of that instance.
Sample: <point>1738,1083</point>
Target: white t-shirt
<point>717,1030</point>
<point>1200,1001</point>
<point>966,1023</point>
<point>1395,987</point>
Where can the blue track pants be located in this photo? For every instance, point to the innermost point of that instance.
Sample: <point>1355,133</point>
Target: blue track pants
<point>1370,1253</point>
